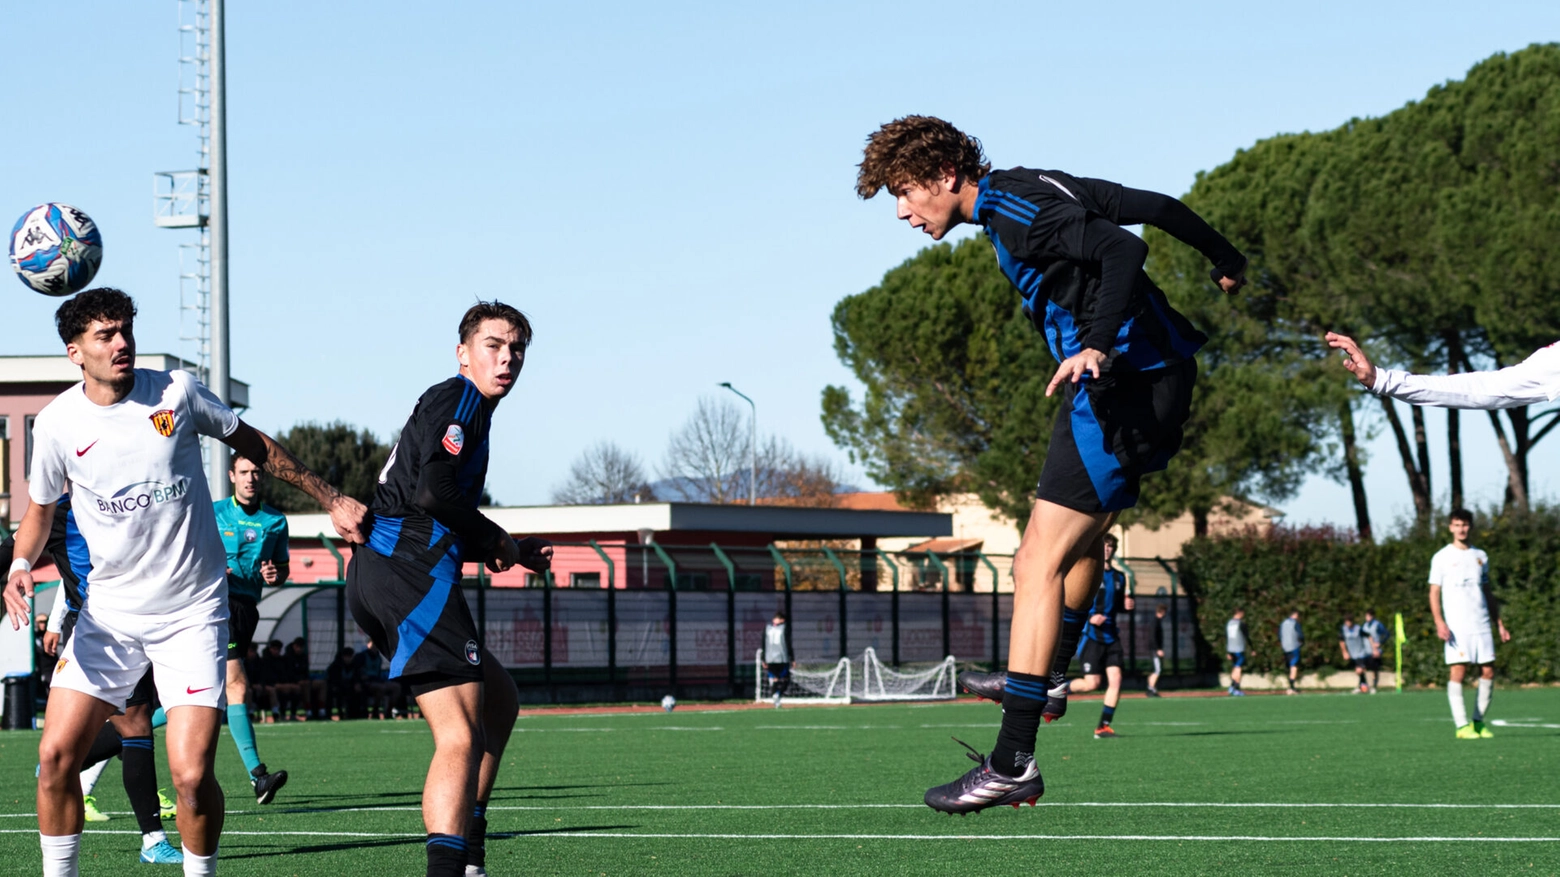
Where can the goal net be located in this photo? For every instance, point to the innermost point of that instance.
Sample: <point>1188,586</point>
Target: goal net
<point>865,679</point>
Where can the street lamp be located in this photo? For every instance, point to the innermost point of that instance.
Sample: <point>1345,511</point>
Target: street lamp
<point>752,445</point>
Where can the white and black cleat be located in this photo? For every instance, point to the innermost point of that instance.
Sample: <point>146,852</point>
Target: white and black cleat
<point>1055,703</point>
<point>984,787</point>
<point>986,686</point>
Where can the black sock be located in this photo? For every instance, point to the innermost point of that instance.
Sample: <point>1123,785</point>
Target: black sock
<point>106,746</point>
<point>1022,702</point>
<point>140,775</point>
<point>446,855</point>
<point>1073,621</point>
<point>1106,714</point>
<point>476,836</point>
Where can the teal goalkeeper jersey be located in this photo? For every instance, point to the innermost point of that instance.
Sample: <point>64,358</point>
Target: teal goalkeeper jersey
<point>249,540</point>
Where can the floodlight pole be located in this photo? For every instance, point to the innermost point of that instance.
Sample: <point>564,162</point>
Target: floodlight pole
<point>752,445</point>
<point>221,380</point>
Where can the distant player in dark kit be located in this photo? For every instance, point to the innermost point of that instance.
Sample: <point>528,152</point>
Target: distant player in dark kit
<point>1159,650</point>
<point>1102,640</point>
<point>404,586</point>
<point>1126,374</point>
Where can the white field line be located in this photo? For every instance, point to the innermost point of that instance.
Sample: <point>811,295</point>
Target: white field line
<point>609,730</point>
<point>1503,723</point>
<point>1242,805</point>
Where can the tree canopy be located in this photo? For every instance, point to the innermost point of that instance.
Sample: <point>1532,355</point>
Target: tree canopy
<point>348,458</point>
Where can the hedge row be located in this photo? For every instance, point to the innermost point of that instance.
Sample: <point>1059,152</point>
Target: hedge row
<point>1325,573</point>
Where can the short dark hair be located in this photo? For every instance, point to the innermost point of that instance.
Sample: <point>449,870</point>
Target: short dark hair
<point>1110,540</point>
<point>104,303</point>
<point>917,149</point>
<point>494,310</point>
<point>780,615</point>
<point>1461,515</point>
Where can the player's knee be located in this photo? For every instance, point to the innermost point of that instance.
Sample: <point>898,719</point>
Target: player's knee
<point>188,780</point>
<point>56,761</point>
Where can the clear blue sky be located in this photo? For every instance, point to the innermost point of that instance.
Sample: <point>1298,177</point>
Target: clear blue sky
<point>665,188</point>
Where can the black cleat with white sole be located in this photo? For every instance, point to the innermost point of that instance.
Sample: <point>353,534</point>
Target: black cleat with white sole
<point>984,787</point>
<point>987,686</point>
<point>267,784</point>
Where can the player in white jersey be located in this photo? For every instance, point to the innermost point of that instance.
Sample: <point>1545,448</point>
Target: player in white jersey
<point>126,441</point>
<point>1533,380</point>
<point>1459,600</point>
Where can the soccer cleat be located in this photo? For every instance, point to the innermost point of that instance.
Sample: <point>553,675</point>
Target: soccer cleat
<point>1055,703</point>
<point>476,871</point>
<point>1482,730</point>
<point>1466,732</point>
<point>1104,732</point>
<point>93,814</point>
<point>984,787</point>
<point>986,686</point>
<point>777,700</point>
<point>168,808</point>
<point>267,784</point>
<point>1291,691</point>
<point>162,853</point>
<point>1154,692</point>
<point>1236,692</point>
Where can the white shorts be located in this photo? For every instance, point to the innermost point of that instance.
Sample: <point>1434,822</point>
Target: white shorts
<point>1471,646</point>
<point>107,656</point>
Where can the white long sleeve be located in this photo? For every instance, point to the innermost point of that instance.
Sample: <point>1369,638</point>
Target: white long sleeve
<point>1535,379</point>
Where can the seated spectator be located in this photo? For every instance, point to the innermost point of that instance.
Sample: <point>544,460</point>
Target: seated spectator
<point>311,691</point>
<point>284,690</point>
<point>339,682</point>
<point>369,668</point>
<point>261,691</point>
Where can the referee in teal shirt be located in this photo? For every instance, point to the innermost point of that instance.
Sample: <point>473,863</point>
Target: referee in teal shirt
<point>255,536</point>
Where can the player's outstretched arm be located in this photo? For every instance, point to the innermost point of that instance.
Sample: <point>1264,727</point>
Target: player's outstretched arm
<point>346,513</point>
<point>31,536</point>
<point>1534,380</point>
<point>1141,206</point>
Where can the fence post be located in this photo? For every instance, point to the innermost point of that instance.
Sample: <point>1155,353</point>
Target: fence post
<point>1175,617</point>
<point>844,588</point>
<point>785,566</point>
<point>341,594</point>
<point>893,600</point>
<point>942,568</point>
<point>671,613</point>
<point>731,617</point>
<point>996,614</point>
<point>547,586</point>
<point>611,612</point>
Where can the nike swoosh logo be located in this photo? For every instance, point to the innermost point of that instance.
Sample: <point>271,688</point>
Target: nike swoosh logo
<point>80,451</point>
<point>189,690</point>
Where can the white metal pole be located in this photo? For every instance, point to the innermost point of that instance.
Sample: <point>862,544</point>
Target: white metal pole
<point>221,375</point>
<point>752,446</point>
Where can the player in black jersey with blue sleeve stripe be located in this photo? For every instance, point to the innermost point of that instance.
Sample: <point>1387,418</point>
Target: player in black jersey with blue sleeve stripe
<point>1126,374</point>
<point>404,585</point>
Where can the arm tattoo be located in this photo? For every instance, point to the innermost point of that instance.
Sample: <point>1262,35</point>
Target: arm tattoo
<point>280,463</point>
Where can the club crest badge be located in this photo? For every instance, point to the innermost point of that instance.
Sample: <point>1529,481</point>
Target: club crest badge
<point>250,535</point>
<point>162,421</point>
<point>454,439</point>
<point>473,652</point>
<point>61,665</point>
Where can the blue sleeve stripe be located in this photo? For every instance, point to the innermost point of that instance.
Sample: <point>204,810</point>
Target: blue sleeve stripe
<point>1017,204</point>
<point>1008,212</point>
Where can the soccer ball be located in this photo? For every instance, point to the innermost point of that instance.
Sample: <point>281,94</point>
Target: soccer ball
<point>56,249</point>
<point>668,703</point>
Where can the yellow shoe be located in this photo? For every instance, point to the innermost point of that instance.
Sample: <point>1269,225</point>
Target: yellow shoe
<point>167,808</point>
<point>1466,732</point>
<point>1482,730</point>
<point>93,813</point>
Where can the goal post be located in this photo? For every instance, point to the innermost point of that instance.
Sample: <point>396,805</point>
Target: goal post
<point>864,680</point>
<point>818,684</point>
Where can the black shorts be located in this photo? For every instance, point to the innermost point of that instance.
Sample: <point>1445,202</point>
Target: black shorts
<point>1111,431</point>
<point>145,691</point>
<point>243,618</point>
<point>1373,664</point>
<point>777,671</point>
<point>1097,656</point>
<point>419,621</point>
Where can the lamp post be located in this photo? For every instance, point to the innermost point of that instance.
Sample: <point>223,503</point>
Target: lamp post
<point>752,445</point>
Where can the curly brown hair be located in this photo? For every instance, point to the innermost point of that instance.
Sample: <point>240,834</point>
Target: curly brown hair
<point>917,149</point>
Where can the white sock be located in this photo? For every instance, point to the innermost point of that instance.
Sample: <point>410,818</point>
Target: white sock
<point>89,777</point>
<point>1482,703</point>
<point>153,838</point>
<point>1459,712</point>
<point>199,866</point>
<point>59,854</point>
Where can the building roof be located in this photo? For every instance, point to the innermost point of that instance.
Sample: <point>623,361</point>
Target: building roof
<point>947,546</point>
<point>873,500</point>
<point>60,370</point>
<point>784,522</point>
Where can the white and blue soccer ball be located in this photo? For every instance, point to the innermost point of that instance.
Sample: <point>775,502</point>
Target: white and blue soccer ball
<point>56,249</point>
<point>668,703</point>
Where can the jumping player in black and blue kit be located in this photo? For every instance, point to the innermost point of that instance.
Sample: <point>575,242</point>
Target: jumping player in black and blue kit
<point>404,585</point>
<point>1126,374</point>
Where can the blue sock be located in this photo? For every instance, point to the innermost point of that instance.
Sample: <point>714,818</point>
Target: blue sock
<point>1107,714</point>
<point>159,718</point>
<point>243,735</point>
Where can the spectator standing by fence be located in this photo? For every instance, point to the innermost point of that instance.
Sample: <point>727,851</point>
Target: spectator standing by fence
<point>1290,639</point>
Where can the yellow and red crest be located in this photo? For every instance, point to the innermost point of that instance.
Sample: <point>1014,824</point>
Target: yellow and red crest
<point>162,421</point>
<point>61,665</point>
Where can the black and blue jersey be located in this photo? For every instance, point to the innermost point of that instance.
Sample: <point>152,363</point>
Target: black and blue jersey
<point>425,509</point>
<point>1059,241</point>
<point>68,549</point>
<point>1110,599</point>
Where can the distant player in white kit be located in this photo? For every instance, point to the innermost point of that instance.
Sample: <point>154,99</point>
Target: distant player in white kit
<point>1459,600</point>
<point>125,443</point>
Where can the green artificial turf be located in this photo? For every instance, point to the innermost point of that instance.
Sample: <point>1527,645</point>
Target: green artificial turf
<point>743,792</point>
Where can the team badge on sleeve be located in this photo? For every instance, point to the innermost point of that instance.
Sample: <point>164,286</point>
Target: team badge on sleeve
<point>162,421</point>
<point>454,439</point>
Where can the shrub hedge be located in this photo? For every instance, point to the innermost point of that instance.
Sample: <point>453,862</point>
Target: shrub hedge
<point>1325,573</point>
